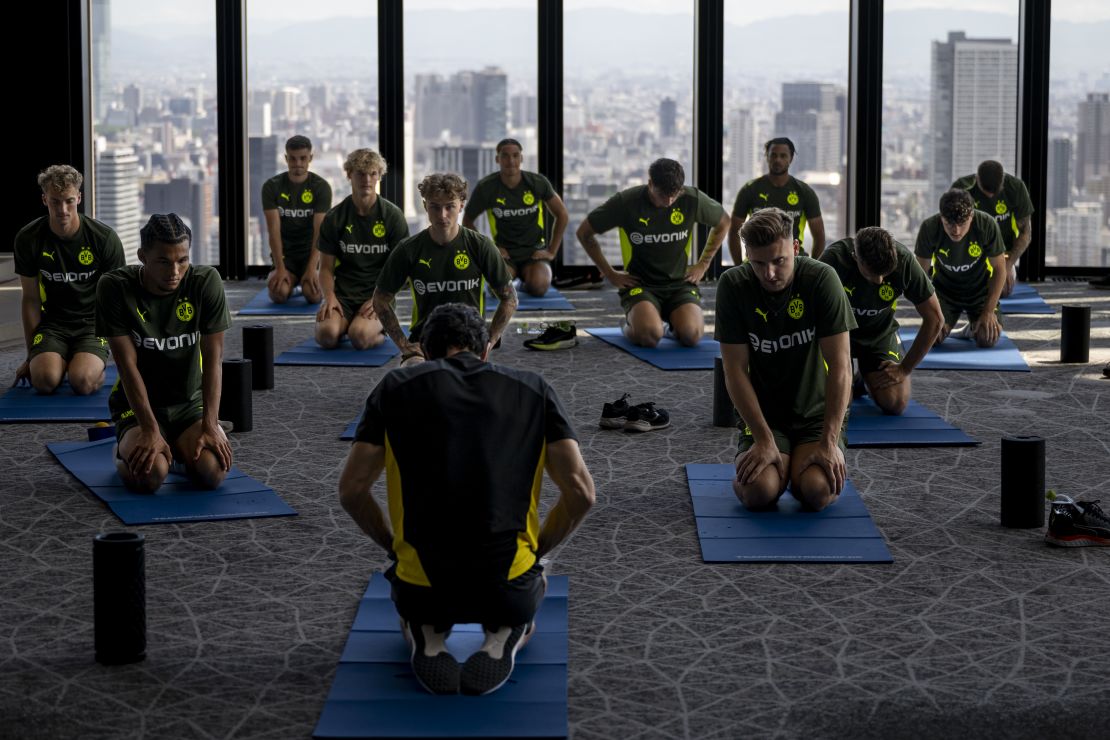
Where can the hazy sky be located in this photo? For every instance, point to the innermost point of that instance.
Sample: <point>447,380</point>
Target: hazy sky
<point>143,12</point>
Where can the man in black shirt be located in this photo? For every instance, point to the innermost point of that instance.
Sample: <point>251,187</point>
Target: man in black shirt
<point>464,530</point>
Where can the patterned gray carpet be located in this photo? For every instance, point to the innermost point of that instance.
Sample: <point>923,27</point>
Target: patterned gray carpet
<point>975,630</point>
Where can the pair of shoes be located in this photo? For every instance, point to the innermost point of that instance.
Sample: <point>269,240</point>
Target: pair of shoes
<point>438,673</point>
<point>1077,524</point>
<point>643,417</point>
<point>1102,282</point>
<point>558,335</point>
<point>490,666</point>
<point>963,331</point>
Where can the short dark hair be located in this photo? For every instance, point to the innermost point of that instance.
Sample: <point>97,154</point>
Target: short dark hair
<point>956,206</point>
<point>443,183</point>
<point>453,325</point>
<point>667,176</point>
<point>990,176</point>
<point>298,142</point>
<point>875,248</point>
<point>508,142</point>
<point>778,140</point>
<point>166,228</point>
<point>766,226</point>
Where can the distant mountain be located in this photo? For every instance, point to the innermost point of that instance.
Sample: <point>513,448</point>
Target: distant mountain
<point>596,40</point>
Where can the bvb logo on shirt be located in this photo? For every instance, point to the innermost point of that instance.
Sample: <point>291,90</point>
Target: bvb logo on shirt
<point>462,261</point>
<point>306,196</point>
<point>184,311</point>
<point>634,291</point>
<point>677,218</point>
<point>974,249</point>
<point>379,229</point>
<point>528,198</point>
<point>792,199</point>
<point>796,308</point>
<point>37,340</point>
<point>886,293</point>
<point>1000,207</point>
<point>85,256</point>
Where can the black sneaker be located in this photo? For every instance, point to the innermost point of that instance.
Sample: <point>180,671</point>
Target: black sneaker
<point>613,414</point>
<point>559,335</point>
<point>644,417</point>
<point>1102,282</point>
<point>1078,524</point>
<point>439,673</point>
<point>488,669</point>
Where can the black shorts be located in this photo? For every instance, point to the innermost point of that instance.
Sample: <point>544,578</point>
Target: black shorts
<point>952,309</point>
<point>520,257</point>
<point>871,352</point>
<point>787,438</point>
<point>172,420</point>
<point>665,300</point>
<point>297,264</point>
<point>66,341</point>
<point>492,604</point>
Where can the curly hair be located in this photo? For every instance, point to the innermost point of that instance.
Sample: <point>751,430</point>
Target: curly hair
<point>875,248</point>
<point>448,184</point>
<point>767,226</point>
<point>58,177</point>
<point>956,206</point>
<point>453,325</point>
<point>365,160</point>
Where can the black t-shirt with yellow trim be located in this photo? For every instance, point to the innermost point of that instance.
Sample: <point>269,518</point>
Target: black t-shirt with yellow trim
<point>795,197</point>
<point>360,245</point>
<point>297,204</point>
<point>961,270</point>
<point>1008,207</point>
<point>462,508</point>
<point>516,215</point>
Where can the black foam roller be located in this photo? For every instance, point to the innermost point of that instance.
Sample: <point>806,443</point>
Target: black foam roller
<point>1023,482</point>
<point>724,414</point>
<point>235,399</point>
<point>119,598</point>
<point>1075,334</point>
<point>258,347</point>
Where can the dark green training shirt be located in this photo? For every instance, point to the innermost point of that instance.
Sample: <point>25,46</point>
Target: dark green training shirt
<point>961,270</point>
<point>1007,207</point>
<point>463,507</point>
<point>873,304</point>
<point>656,242</point>
<point>296,204</point>
<point>67,269</point>
<point>444,273</point>
<point>360,245</point>
<point>795,197</point>
<point>165,330</point>
<point>782,332</point>
<point>516,215</point>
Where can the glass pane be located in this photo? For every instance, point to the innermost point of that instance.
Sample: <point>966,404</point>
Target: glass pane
<point>950,79</point>
<point>154,119</point>
<point>628,100</point>
<point>470,81</point>
<point>800,94</point>
<point>316,78</point>
<point>1079,137</point>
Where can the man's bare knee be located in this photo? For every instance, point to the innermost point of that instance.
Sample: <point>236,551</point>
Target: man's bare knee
<point>812,489</point>
<point>207,473</point>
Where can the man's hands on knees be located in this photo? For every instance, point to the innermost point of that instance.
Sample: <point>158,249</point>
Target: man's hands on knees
<point>622,280</point>
<point>310,281</point>
<point>366,310</point>
<point>751,464</point>
<point>830,459</point>
<point>1011,279</point>
<point>543,255</point>
<point>214,438</point>
<point>149,444</point>
<point>892,374</point>
<point>23,373</point>
<point>330,305</point>
<point>987,329</point>
<point>279,276</point>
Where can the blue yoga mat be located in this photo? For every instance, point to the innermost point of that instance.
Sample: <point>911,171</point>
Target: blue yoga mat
<point>963,354</point>
<point>1024,299</point>
<point>375,695</point>
<point>310,353</point>
<point>261,305</point>
<point>349,432</point>
<point>729,533</point>
<point>668,354</point>
<point>178,500</point>
<point>24,403</point>
<point>552,300</point>
<point>868,426</point>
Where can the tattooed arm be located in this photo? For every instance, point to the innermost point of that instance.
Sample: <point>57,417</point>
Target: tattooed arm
<point>507,295</point>
<point>383,307</point>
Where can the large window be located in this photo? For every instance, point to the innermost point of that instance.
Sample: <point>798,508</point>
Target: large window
<point>470,81</point>
<point>628,78</point>
<point>309,74</point>
<point>153,79</point>
<point>786,74</point>
<point>950,80</point>
<point>1078,194</point>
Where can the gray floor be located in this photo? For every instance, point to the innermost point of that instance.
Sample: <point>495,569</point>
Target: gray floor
<point>974,630</point>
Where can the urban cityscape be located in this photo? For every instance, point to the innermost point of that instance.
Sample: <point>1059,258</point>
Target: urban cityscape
<point>156,147</point>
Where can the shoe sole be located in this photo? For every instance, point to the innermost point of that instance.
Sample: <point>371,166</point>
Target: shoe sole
<point>561,344</point>
<point>1077,540</point>
<point>615,423</point>
<point>643,426</point>
<point>512,665</point>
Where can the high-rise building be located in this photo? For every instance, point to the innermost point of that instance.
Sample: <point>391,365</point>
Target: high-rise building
<point>101,31</point>
<point>1092,156</point>
<point>468,107</point>
<point>973,107</point>
<point>285,104</point>
<point>133,98</point>
<point>743,151</point>
<point>259,120</point>
<point>810,119</point>
<point>472,161</point>
<point>117,196</point>
<point>490,107</point>
<point>262,153</point>
<point>1075,238</point>
<point>320,98</point>
<point>668,113</point>
<point>186,198</point>
<point>1059,172</point>
<point>523,110</point>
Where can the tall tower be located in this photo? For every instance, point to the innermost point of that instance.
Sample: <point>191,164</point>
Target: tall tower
<point>973,107</point>
<point>1059,172</point>
<point>810,118</point>
<point>743,152</point>
<point>101,30</point>
<point>117,196</point>
<point>1093,151</point>
<point>668,112</point>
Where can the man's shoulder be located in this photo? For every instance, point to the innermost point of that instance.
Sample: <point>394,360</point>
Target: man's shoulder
<point>930,225</point>
<point>390,209</point>
<point>317,182</point>
<point>339,211</point>
<point>811,274</point>
<point>737,278</point>
<point>535,181</point>
<point>121,277</point>
<point>801,185</point>
<point>475,239</point>
<point>1014,185</point>
<point>967,182</point>
<point>984,222</point>
<point>750,185</point>
<point>32,231</point>
<point>839,253</point>
<point>277,181</point>
<point>99,229</point>
<point>487,183</point>
<point>205,275</point>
